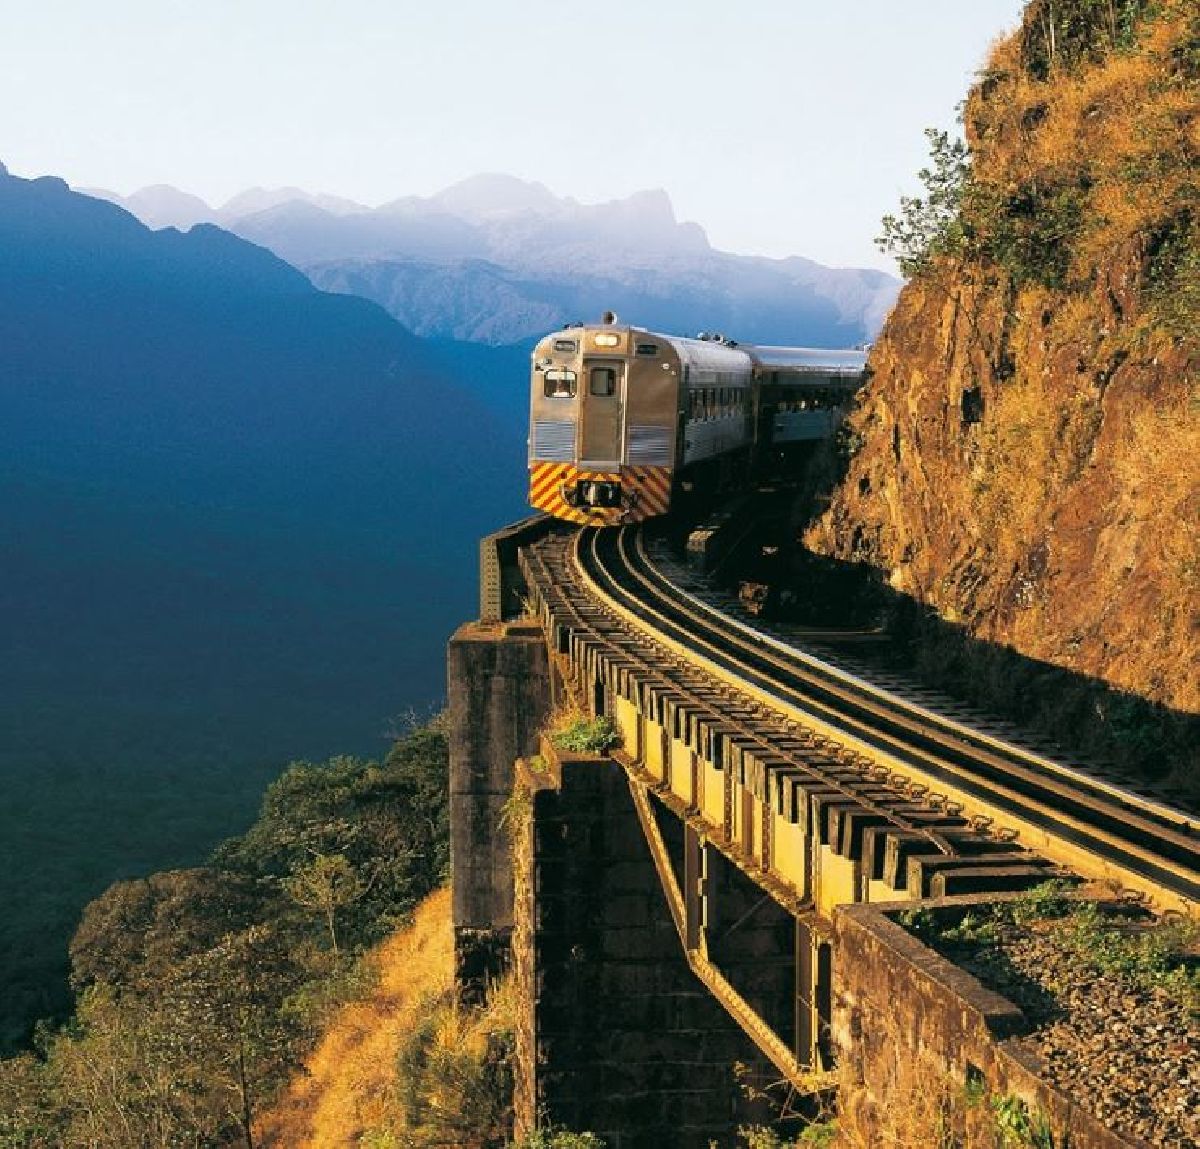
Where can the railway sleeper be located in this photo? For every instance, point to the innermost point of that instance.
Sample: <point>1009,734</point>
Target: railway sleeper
<point>917,813</point>
<point>879,797</point>
<point>825,808</point>
<point>720,735</point>
<point>740,746</point>
<point>669,706</point>
<point>837,817</point>
<point>898,847</point>
<point>848,827</point>
<point>886,850</point>
<point>808,798</point>
<point>785,784</point>
<point>923,867</point>
<point>651,702</point>
<point>610,677</point>
<point>874,850</point>
<point>996,879</point>
<point>627,674</point>
<point>749,768</point>
<point>758,768</point>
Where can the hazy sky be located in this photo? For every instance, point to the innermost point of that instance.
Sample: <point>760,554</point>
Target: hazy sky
<point>781,126</point>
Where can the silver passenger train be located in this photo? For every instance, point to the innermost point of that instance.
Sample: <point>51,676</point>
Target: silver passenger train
<point>620,416</point>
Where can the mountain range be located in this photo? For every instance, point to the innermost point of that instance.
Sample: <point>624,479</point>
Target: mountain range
<point>239,517</point>
<point>500,260</point>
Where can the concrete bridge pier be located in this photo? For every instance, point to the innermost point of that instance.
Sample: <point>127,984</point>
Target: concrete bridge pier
<point>618,1035</point>
<point>623,1039</point>
<point>500,695</point>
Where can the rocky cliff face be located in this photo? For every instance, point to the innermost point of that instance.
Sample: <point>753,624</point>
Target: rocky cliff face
<point>1024,459</point>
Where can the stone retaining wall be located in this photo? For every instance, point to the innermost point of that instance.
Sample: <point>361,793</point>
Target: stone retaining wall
<point>899,1008</point>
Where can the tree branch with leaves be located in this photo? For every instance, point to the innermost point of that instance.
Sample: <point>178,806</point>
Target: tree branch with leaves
<point>931,225</point>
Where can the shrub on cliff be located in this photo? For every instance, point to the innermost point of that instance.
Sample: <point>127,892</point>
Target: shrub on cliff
<point>1052,170</point>
<point>388,821</point>
<point>583,735</point>
<point>930,227</point>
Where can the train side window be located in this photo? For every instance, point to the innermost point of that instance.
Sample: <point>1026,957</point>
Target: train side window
<point>604,380</point>
<point>565,345</point>
<point>559,383</point>
<point>647,348</point>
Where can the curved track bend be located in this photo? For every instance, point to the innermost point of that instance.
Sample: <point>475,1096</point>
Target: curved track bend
<point>1070,817</point>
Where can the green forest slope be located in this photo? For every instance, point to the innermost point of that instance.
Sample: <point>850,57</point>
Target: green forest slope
<point>200,991</point>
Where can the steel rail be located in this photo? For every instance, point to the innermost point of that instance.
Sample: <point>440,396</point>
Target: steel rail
<point>897,732</point>
<point>925,726</point>
<point>1173,820</point>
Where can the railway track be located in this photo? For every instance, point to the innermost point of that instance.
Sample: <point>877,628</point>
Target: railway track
<point>936,805</point>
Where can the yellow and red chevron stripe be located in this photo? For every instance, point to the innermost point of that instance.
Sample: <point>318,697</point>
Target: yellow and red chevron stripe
<point>645,492</point>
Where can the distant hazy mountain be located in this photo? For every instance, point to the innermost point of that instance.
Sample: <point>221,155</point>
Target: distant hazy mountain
<point>479,301</point>
<point>263,199</point>
<point>238,519</point>
<point>305,234</point>
<point>489,196</point>
<point>499,260</point>
<point>160,206</point>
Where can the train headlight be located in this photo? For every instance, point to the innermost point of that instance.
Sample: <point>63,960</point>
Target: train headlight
<point>607,340</point>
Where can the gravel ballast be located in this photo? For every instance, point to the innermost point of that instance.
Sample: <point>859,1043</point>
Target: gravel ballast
<point>1123,1045</point>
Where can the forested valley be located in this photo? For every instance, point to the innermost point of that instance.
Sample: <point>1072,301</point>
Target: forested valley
<point>199,991</point>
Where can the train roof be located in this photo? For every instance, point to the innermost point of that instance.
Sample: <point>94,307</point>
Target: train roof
<point>806,360</point>
<point>719,354</point>
<point>710,355</point>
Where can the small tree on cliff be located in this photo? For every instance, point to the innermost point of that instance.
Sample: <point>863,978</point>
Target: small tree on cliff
<point>325,885</point>
<point>931,225</point>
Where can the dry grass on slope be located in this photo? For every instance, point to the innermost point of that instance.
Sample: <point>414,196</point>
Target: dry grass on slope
<point>347,1084</point>
<point>1023,459</point>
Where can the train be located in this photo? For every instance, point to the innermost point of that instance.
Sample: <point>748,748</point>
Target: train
<point>623,420</point>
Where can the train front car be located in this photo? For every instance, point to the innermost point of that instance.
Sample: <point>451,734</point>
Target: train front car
<point>620,418</point>
<point>604,410</point>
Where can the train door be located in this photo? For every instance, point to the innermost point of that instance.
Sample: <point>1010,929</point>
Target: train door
<point>603,403</point>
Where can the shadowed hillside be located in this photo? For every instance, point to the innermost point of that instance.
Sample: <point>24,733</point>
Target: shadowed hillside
<point>239,518</point>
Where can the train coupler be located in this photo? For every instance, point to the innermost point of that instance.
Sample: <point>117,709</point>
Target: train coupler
<point>598,493</point>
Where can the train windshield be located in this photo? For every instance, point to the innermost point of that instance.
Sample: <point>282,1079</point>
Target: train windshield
<point>604,380</point>
<point>559,383</point>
